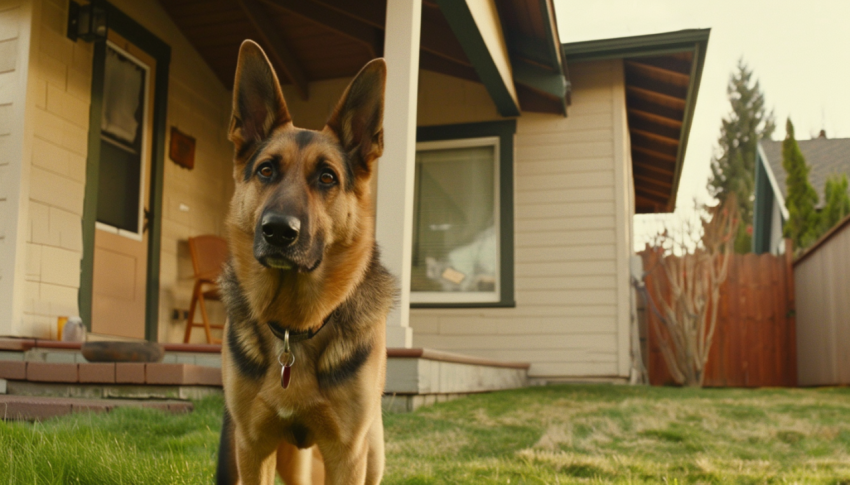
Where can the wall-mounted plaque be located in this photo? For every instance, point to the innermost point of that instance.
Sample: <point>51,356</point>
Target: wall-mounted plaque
<point>182,149</point>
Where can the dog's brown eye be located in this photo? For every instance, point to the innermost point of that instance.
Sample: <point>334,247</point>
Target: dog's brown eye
<point>327,178</point>
<point>266,171</point>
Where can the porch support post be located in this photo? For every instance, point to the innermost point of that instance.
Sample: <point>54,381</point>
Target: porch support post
<point>394,224</point>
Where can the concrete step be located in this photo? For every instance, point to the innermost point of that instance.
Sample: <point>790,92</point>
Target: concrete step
<point>420,377</point>
<point>111,373</point>
<point>39,408</point>
<point>109,391</point>
<point>415,377</point>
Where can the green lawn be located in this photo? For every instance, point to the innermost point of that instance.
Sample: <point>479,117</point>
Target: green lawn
<point>557,434</point>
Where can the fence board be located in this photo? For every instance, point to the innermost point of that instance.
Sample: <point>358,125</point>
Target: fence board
<point>754,342</point>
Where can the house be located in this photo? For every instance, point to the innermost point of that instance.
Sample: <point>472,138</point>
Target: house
<point>512,169</point>
<point>820,271</point>
<point>825,157</point>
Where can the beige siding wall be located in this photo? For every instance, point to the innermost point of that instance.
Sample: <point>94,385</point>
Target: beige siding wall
<point>821,281</point>
<point>58,98</point>
<point>15,19</point>
<point>57,112</point>
<point>573,208</point>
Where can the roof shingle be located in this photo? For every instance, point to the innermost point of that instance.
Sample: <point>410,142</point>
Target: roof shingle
<point>824,156</point>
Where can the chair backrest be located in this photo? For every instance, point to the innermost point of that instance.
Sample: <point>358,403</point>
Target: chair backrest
<point>209,254</point>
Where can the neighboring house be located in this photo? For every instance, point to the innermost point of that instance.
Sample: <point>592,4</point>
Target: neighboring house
<point>512,167</point>
<point>825,157</point>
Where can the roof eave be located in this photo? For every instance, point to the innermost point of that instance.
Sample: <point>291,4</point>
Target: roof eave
<point>556,55</point>
<point>700,47</point>
<point>641,45</point>
<point>538,62</point>
<point>695,40</point>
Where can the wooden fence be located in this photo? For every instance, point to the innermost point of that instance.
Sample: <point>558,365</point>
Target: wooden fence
<point>822,281</point>
<point>754,343</point>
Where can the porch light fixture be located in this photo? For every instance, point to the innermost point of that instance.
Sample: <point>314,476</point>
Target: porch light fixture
<point>87,22</point>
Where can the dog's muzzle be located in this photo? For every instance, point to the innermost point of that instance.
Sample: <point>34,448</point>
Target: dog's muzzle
<point>280,231</point>
<point>280,242</point>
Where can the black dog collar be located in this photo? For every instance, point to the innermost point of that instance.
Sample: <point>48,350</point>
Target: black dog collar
<point>280,332</point>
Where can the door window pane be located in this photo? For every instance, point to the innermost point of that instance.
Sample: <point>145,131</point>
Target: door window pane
<point>118,187</point>
<point>123,97</point>
<point>455,224</point>
<point>120,174</point>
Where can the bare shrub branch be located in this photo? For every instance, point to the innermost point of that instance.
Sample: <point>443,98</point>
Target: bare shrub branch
<point>683,287</point>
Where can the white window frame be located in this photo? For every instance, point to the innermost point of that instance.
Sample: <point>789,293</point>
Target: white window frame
<point>437,297</point>
<point>138,235</point>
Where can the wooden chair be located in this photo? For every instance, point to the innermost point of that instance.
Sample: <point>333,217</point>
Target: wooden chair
<point>209,254</point>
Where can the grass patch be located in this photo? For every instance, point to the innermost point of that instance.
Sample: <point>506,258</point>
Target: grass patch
<point>125,446</point>
<point>556,434</point>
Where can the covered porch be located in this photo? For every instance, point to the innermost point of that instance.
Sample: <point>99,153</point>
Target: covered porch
<point>509,47</point>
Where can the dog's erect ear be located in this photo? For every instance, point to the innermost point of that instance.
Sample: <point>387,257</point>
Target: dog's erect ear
<point>358,120</point>
<point>258,105</point>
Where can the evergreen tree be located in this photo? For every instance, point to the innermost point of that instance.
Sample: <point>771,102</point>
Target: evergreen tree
<point>733,170</point>
<point>836,202</point>
<point>804,224</point>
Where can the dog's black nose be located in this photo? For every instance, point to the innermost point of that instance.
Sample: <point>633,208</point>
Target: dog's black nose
<point>280,230</point>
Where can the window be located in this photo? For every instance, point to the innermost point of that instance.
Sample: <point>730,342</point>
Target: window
<point>124,118</point>
<point>463,216</point>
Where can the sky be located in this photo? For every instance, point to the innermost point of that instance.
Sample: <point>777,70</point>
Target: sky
<point>798,50</point>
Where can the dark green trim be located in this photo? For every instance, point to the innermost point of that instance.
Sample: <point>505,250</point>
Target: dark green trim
<point>159,50</point>
<point>762,209</point>
<point>505,130</point>
<point>466,30</point>
<point>543,80</point>
<point>92,179</point>
<point>529,48</point>
<point>641,45</point>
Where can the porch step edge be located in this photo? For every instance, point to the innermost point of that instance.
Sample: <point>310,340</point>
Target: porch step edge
<point>29,408</point>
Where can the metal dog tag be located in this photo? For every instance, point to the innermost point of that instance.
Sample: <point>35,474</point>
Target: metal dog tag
<point>286,359</point>
<point>285,376</point>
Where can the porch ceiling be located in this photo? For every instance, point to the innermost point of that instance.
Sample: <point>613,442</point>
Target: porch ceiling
<point>662,74</point>
<point>311,40</point>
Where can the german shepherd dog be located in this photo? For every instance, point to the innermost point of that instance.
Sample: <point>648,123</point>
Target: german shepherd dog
<point>304,354</point>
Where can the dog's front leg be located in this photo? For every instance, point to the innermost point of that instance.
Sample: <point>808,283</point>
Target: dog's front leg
<point>256,460</point>
<point>345,463</point>
<point>375,461</point>
<point>294,466</point>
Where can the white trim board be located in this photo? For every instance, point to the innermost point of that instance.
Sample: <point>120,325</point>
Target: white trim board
<point>780,199</point>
